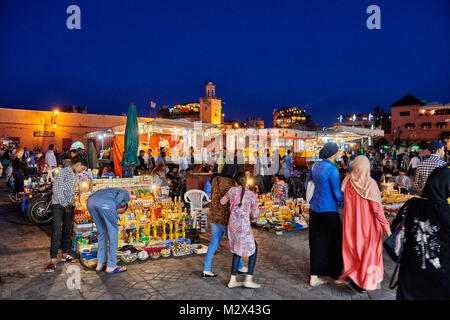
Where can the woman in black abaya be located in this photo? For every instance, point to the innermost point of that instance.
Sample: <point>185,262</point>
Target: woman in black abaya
<point>425,263</point>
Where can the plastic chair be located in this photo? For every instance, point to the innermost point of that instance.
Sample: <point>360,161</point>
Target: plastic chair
<point>195,199</point>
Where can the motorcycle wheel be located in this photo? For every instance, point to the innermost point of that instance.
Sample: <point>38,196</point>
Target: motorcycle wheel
<point>40,211</point>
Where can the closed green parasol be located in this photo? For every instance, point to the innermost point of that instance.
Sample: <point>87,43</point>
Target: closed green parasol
<point>92,156</point>
<point>131,139</point>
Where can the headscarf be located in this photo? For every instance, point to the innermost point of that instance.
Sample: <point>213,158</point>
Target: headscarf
<point>361,180</point>
<point>329,149</point>
<point>229,170</point>
<point>438,184</point>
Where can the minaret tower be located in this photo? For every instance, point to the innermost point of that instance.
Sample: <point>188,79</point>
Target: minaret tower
<point>210,105</point>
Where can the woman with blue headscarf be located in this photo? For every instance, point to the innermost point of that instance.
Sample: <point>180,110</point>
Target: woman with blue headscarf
<point>325,228</point>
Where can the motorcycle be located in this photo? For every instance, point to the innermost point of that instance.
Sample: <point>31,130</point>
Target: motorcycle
<point>39,206</point>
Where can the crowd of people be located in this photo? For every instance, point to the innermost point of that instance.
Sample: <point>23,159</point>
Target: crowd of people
<point>349,250</point>
<point>17,163</point>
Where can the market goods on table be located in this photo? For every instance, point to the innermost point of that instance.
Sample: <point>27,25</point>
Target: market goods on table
<point>294,215</point>
<point>393,200</point>
<point>153,226</point>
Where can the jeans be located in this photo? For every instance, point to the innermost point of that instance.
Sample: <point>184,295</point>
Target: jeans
<point>60,216</point>
<point>217,232</point>
<point>18,183</point>
<point>251,262</point>
<point>106,219</point>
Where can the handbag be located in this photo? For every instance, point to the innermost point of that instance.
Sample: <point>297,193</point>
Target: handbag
<point>310,188</point>
<point>234,202</point>
<point>394,247</point>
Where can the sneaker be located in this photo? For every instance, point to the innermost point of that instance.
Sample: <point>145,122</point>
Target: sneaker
<point>234,284</point>
<point>252,285</point>
<point>50,268</point>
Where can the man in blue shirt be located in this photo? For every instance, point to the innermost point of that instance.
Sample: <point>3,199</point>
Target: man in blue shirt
<point>288,160</point>
<point>105,205</point>
<point>325,226</point>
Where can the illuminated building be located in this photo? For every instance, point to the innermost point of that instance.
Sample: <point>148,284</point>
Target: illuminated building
<point>189,111</point>
<point>233,124</point>
<point>413,119</point>
<point>35,128</point>
<point>207,110</point>
<point>210,106</point>
<point>292,117</point>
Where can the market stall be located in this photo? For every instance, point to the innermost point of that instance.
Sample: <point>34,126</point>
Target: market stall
<point>347,138</point>
<point>154,225</point>
<point>175,135</point>
<point>278,218</point>
<point>392,200</point>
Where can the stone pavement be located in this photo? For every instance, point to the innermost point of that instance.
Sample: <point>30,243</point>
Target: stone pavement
<point>282,268</point>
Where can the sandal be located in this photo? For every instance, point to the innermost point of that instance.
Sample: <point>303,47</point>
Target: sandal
<point>100,271</point>
<point>317,282</point>
<point>118,270</point>
<point>340,282</point>
<point>69,258</point>
<point>354,286</point>
<point>50,268</point>
<point>205,275</point>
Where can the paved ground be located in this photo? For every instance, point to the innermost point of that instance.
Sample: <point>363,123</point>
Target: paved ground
<point>282,268</point>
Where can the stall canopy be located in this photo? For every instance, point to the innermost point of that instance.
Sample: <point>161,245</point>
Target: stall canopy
<point>149,134</point>
<point>131,139</point>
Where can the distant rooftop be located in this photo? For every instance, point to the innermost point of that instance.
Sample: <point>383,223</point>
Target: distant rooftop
<point>408,100</point>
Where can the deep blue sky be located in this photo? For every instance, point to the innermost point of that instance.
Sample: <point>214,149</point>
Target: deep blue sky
<point>260,54</point>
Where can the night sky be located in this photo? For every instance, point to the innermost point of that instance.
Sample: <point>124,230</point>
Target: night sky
<point>260,54</point>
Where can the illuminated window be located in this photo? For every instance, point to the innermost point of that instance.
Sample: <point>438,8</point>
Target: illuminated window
<point>426,125</point>
<point>441,125</point>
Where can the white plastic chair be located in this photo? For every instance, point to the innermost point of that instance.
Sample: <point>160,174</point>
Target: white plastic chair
<point>195,199</point>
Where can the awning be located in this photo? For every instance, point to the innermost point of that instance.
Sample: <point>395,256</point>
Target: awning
<point>360,131</point>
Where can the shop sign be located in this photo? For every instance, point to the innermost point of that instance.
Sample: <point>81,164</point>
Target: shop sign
<point>43,134</point>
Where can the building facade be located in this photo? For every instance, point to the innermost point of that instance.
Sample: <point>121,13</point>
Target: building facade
<point>207,110</point>
<point>256,123</point>
<point>293,117</point>
<point>33,128</point>
<point>189,111</point>
<point>414,120</point>
<point>211,106</point>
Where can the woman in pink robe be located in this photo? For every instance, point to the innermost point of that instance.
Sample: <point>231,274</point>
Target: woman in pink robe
<point>363,224</point>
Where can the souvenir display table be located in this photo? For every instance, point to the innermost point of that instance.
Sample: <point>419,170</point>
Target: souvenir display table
<point>392,200</point>
<point>274,217</point>
<point>154,225</point>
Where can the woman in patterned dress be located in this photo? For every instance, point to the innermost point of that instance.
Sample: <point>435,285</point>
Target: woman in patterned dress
<point>243,205</point>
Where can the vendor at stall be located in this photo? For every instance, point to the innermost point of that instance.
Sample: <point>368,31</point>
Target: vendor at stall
<point>105,205</point>
<point>402,181</point>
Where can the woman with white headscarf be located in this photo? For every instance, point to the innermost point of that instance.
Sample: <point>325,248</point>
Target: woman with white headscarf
<point>363,224</point>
